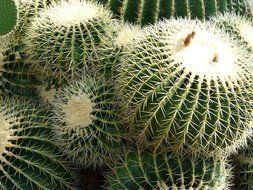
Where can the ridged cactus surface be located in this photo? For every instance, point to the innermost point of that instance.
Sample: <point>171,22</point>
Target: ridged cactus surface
<point>149,171</point>
<point>28,157</point>
<point>8,16</point>
<point>149,11</point>
<point>86,122</point>
<point>66,38</point>
<point>187,84</point>
<point>16,75</point>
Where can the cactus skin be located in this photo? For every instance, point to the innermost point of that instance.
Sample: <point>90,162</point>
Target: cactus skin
<point>149,11</point>
<point>86,123</point>
<point>63,46</point>
<point>28,157</point>
<point>16,75</point>
<point>8,16</point>
<point>149,171</point>
<point>185,84</point>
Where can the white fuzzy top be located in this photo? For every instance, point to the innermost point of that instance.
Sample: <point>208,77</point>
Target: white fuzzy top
<point>199,48</point>
<point>73,12</point>
<point>78,110</point>
<point>126,34</point>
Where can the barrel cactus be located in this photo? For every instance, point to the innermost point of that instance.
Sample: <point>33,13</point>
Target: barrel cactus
<point>28,157</point>
<point>66,38</point>
<point>149,11</point>
<point>187,84</point>
<point>163,171</point>
<point>86,122</point>
<point>16,75</point>
<point>8,16</point>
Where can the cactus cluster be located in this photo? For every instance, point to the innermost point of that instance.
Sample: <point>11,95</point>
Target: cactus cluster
<point>155,94</point>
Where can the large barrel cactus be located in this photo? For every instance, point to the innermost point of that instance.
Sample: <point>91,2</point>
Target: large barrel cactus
<point>149,11</point>
<point>16,75</point>
<point>86,122</point>
<point>28,157</point>
<point>66,38</point>
<point>187,84</point>
<point>163,171</point>
<point>8,16</point>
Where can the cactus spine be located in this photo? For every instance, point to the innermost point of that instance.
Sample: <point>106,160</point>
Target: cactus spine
<point>86,122</point>
<point>149,11</point>
<point>28,157</point>
<point>8,16</point>
<point>66,38</point>
<point>149,171</point>
<point>186,84</point>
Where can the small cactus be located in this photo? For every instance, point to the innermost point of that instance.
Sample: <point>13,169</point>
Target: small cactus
<point>8,16</point>
<point>65,39</point>
<point>149,11</point>
<point>16,75</point>
<point>187,84</point>
<point>28,157</point>
<point>86,123</point>
<point>164,171</point>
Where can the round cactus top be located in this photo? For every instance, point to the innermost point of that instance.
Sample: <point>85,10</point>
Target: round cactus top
<point>72,13</point>
<point>78,110</point>
<point>198,47</point>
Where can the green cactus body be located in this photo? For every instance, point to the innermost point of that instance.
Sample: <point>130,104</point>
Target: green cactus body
<point>8,16</point>
<point>163,171</point>
<point>240,26</point>
<point>16,76</point>
<point>187,84</point>
<point>66,39</point>
<point>149,11</point>
<point>28,157</point>
<point>86,123</point>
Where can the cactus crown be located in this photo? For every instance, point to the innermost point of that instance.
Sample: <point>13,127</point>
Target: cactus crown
<point>78,110</point>
<point>71,13</point>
